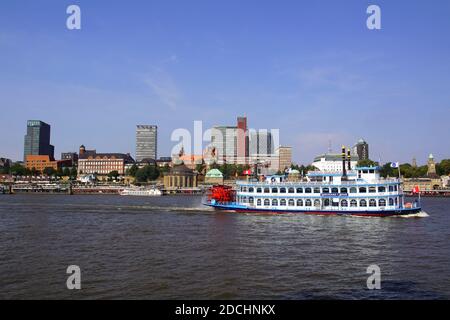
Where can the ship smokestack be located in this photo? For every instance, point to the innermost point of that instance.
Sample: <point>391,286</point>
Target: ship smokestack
<point>349,158</point>
<point>344,171</point>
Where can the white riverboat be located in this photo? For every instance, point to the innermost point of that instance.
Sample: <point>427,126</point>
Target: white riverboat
<point>140,192</point>
<point>360,192</point>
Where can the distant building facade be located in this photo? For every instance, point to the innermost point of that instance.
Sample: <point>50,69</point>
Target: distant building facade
<point>361,149</point>
<point>146,142</point>
<point>180,177</point>
<point>284,154</point>
<point>5,163</point>
<point>242,138</point>
<point>431,172</point>
<point>332,162</point>
<point>72,156</point>
<point>214,176</point>
<point>41,162</point>
<point>224,141</point>
<point>239,144</point>
<point>37,140</point>
<point>424,184</point>
<point>91,162</point>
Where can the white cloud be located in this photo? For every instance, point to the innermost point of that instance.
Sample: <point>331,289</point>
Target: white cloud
<point>164,87</point>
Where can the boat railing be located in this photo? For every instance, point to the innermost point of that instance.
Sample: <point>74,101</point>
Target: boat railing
<point>318,183</point>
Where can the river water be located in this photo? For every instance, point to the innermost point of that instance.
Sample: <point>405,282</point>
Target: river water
<point>174,248</point>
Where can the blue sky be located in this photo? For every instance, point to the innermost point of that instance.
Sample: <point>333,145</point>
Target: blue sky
<point>310,68</point>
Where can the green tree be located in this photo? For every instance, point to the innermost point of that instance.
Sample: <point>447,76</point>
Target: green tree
<point>200,167</point>
<point>132,171</point>
<point>19,170</point>
<point>35,172</point>
<point>113,175</point>
<point>386,170</point>
<point>49,171</point>
<point>367,163</point>
<point>73,173</point>
<point>60,172</point>
<point>66,172</point>
<point>443,167</point>
<point>147,173</point>
<point>164,169</point>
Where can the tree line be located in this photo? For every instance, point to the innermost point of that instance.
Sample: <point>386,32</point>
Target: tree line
<point>19,170</point>
<point>407,170</point>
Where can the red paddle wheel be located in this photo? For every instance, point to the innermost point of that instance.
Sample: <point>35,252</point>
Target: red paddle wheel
<point>222,194</point>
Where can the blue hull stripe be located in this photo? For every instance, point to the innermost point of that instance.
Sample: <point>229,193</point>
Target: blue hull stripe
<point>381,213</point>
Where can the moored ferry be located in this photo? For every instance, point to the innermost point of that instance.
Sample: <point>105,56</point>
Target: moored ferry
<point>360,192</point>
<point>140,192</point>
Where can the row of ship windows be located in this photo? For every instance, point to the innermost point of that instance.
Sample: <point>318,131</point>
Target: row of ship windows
<point>391,188</point>
<point>317,202</point>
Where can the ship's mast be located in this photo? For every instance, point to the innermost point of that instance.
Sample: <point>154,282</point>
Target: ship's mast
<point>344,171</point>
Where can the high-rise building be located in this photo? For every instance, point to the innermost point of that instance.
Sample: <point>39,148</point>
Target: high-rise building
<point>146,142</point>
<point>284,157</point>
<point>37,140</point>
<point>242,138</point>
<point>361,149</point>
<point>224,141</point>
<point>260,143</point>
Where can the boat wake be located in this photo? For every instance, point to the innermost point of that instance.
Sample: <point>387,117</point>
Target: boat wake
<point>165,209</point>
<point>421,214</point>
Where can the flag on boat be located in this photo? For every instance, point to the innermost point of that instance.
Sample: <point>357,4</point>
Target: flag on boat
<point>394,165</point>
<point>247,172</point>
<point>416,189</point>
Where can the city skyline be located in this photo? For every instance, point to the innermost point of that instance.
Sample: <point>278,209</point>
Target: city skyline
<point>206,145</point>
<point>180,62</point>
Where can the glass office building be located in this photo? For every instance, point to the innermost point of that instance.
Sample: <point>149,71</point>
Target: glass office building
<point>37,140</point>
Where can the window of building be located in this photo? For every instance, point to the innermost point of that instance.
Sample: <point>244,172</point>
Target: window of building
<point>308,203</point>
<point>362,189</point>
<point>334,190</point>
<point>258,190</point>
<point>291,202</point>
<point>382,202</point>
<point>258,202</point>
<point>266,190</point>
<point>317,190</point>
<point>274,202</point>
<point>353,203</point>
<point>344,190</point>
<point>363,203</point>
<point>299,203</point>
<point>282,202</point>
<point>317,203</point>
<point>391,201</point>
<point>282,190</point>
<point>299,190</point>
<point>381,189</point>
<point>291,190</point>
<point>353,190</point>
<point>344,203</point>
<point>307,190</point>
<point>274,190</point>
<point>251,190</point>
<point>325,190</point>
<point>372,189</point>
<point>372,203</point>
<point>266,202</point>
